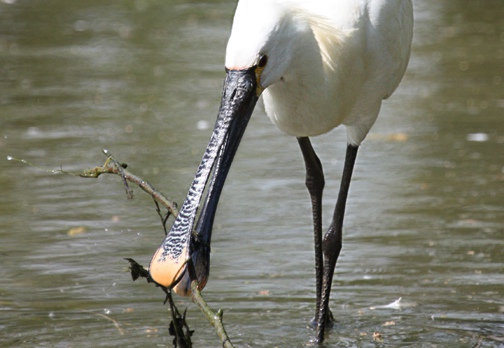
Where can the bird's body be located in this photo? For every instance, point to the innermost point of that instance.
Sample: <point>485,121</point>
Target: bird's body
<point>318,64</point>
<point>338,59</point>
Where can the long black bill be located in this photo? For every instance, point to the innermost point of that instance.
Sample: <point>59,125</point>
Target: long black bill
<point>169,265</point>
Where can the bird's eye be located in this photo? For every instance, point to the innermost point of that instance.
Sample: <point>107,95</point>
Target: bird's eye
<point>263,60</point>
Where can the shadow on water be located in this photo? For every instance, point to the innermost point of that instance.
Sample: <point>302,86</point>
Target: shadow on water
<point>143,78</point>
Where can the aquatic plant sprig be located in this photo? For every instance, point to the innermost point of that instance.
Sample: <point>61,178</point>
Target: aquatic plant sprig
<point>178,327</point>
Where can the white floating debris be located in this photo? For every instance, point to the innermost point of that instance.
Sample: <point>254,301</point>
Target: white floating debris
<point>394,305</point>
<point>33,132</point>
<point>203,125</point>
<point>81,25</point>
<point>478,137</point>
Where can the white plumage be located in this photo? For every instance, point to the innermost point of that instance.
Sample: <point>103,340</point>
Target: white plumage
<point>329,62</point>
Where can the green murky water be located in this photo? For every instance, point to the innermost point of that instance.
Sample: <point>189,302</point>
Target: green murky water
<point>425,220</point>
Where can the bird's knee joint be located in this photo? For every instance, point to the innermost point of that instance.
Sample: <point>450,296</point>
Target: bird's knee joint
<point>332,242</point>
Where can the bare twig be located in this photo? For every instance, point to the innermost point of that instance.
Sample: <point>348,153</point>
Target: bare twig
<point>116,323</point>
<point>121,169</point>
<point>164,218</point>
<point>178,327</point>
<point>112,166</point>
<point>213,318</point>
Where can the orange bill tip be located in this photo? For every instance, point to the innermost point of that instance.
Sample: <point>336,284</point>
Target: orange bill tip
<point>166,271</point>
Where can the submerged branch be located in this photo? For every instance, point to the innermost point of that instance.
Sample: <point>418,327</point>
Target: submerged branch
<point>178,325</point>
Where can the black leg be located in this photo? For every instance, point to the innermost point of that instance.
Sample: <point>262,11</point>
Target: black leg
<point>331,244</point>
<point>315,184</point>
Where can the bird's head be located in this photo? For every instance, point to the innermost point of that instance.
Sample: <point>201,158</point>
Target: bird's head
<point>264,37</point>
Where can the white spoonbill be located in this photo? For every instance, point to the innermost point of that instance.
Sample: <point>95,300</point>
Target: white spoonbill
<point>318,64</point>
